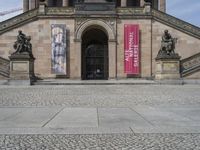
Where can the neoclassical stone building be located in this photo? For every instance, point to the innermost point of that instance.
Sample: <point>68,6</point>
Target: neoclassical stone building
<point>31,4</point>
<point>88,39</point>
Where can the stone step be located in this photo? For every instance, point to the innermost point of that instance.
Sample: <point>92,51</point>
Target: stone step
<point>95,82</point>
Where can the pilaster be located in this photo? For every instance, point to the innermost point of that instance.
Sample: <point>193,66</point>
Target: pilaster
<point>25,5</point>
<point>162,6</point>
<point>123,3</point>
<point>32,4</point>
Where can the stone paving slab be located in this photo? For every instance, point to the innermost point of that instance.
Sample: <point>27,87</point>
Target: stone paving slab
<point>120,117</point>
<point>66,130</point>
<point>26,117</point>
<point>75,117</point>
<point>97,120</point>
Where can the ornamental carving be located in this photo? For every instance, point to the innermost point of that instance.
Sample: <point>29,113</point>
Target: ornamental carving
<point>59,11</point>
<point>111,24</point>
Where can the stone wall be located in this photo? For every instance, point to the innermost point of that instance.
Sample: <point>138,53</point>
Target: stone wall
<point>40,31</point>
<point>186,45</point>
<point>145,46</point>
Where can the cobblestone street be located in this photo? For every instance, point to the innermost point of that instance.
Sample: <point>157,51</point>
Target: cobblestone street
<point>173,99</point>
<point>101,142</point>
<point>100,95</point>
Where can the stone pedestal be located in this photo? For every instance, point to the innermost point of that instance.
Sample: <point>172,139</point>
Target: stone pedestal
<point>21,69</point>
<point>167,68</point>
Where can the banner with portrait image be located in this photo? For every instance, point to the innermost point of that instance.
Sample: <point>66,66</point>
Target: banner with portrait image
<point>58,44</point>
<point>131,49</point>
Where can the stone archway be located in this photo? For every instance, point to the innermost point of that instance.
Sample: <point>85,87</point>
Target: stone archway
<point>109,29</point>
<point>99,23</point>
<point>94,51</point>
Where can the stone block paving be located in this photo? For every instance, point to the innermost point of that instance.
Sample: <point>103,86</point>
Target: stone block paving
<point>101,142</point>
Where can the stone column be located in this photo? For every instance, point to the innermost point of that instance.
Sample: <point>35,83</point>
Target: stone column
<point>162,6</point>
<point>37,3</point>
<point>142,3</point>
<point>32,4</point>
<point>25,5</point>
<point>65,3</point>
<point>123,3</point>
<point>155,4</point>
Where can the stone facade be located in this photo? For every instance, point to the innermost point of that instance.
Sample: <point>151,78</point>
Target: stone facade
<point>112,24</point>
<point>32,4</point>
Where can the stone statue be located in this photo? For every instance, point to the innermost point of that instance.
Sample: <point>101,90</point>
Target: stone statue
<point>23,45</point>
<point>167,45</point>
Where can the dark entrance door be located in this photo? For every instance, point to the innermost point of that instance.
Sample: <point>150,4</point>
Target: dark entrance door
<point>94,55</point>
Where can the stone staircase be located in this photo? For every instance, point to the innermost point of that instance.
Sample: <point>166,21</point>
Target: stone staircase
<point>18,20</point>
<point>4,68</point>
<point>176,23</point>
<point>190,65</point>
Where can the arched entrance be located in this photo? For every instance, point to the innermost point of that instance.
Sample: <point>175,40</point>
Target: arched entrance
<point>94,54</point>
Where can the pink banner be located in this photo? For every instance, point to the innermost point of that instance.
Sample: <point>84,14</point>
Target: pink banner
<point>131,49</point>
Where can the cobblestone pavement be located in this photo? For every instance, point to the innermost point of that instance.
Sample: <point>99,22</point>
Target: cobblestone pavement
<point>100,95</point>
<point>101,142</point>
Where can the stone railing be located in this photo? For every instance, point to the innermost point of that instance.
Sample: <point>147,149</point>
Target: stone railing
<point>4,67</point>
<point>33,15</point>
<point>190,65</point>
<point>176,23</point>
<point>18,20</point>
